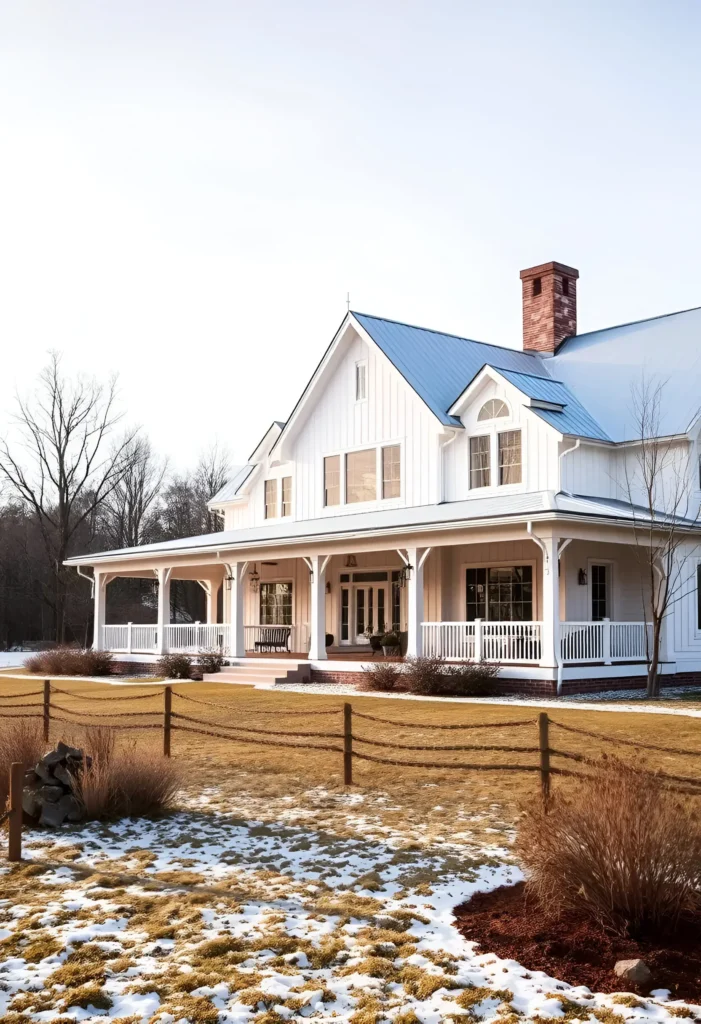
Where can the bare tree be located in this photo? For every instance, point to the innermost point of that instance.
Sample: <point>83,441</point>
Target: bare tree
<point>211,473</point>
<point>129,513</point>
<point>66,469</point>
<point>659,490</point>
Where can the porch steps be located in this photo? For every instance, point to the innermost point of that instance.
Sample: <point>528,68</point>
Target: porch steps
<point>262,675</point>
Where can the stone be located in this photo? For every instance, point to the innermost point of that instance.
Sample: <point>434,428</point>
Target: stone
<point>30,803</point>
<point>43,772</point>
<point>64,775</point>
<point>51,758</point>
<point>634,972</point>
<point>52,815</point>
<point>63,750</point>
<point>69,806</point>
<point>50,794</point>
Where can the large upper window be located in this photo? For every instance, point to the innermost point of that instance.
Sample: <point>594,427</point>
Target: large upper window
<point>510,457</point>
<point>332,480</point>
<point>391,472</point>
<point>286,509</point>
<point>480,461</point>
<point>361,476</point>
<point>494,409</point>
<point>600,592</point>
<point>276,604</point>
<point>271,499</point>
<point>501,594</point>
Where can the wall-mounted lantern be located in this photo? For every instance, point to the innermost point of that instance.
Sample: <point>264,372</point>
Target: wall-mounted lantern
<point>582,578</point>
<point>254,579</point>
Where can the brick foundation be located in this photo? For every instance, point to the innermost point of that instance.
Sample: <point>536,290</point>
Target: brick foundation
<point>132,668</point>
<point>540,687</point>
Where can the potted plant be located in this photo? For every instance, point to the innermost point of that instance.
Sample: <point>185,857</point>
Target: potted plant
<point>390,643</point>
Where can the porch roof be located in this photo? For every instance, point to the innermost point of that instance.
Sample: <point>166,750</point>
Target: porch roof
<point>534,505</point>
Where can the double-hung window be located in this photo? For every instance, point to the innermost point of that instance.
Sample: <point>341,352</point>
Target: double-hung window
<point>271,499</point>
<point>332,480</point>
<point>286,509</point>
<point>361,476</point>
<point>480,461</point>
<point>391,471</point>
<point>510,457</point>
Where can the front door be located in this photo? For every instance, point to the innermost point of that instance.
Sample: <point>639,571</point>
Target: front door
<point>363,607</point>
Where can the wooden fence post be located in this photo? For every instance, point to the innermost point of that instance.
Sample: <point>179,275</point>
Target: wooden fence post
<point>47,709</point>
<point>14,851</point>
<point>347,745</point>
<point>544,747</point>
<point>167,699</point>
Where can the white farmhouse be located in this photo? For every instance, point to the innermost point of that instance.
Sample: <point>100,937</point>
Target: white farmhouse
<point>480,501</point>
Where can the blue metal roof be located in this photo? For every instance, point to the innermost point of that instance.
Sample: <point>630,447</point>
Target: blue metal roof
<point>440,366</point>
<point>572,419</point>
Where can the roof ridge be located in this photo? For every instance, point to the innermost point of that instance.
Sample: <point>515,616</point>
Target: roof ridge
<point>629,323</point>
<point>445,334</point>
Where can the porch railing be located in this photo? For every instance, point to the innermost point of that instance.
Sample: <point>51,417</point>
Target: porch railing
<point>191,637</point>
<point>130,639</point>
<point>604,641</point>
<point>503,642</point>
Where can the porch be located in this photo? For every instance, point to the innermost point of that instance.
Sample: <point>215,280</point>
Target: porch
<point>516,611</point>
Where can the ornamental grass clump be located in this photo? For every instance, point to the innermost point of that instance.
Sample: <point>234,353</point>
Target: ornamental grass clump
<point>621,849</point>
<point>70,661</point>
<point>21,739</point>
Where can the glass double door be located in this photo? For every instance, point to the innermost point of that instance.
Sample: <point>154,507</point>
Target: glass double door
<point>364,607</point>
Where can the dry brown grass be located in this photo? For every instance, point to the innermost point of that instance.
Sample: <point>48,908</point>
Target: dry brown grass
<point>621,849</point>
<point>21,739</point>
<point>271,772</point>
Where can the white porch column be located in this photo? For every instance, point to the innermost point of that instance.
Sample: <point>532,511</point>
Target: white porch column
<point>237,642</point>
<point>551,602</point>
<point>415,599</point>
<point>100,600</point>
<point>317,582</point>
<point>211,589</point>
<point>163,607</point>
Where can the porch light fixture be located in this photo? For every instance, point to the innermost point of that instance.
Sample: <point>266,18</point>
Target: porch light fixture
<point>351,562</point>
<point>405,574</point>
<point>328,588</point>
<point>228,580</point>
<point>254,580</point>
<point>582,578</point>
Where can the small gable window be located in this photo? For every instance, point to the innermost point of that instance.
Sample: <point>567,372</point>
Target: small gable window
<point>494,409</point>
<point>361,381</point>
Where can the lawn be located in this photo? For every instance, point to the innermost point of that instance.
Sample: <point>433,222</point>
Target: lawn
<point>274,893</point>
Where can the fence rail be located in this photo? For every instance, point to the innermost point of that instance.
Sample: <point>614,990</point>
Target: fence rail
<point>343,732</point>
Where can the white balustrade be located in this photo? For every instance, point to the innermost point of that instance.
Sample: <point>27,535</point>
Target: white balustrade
<point>191,637</point>
<point>605,641</point>
<point>502,642</point>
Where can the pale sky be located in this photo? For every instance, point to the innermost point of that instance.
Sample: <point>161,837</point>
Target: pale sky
<point>188,190</point>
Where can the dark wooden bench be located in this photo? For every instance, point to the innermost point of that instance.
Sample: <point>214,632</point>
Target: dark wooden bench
<point>274,638</point>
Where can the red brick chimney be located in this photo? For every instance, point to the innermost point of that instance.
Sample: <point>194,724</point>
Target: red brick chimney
<point>549,306</point>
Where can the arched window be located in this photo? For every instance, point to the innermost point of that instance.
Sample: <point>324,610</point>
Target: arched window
<point>494,409</point>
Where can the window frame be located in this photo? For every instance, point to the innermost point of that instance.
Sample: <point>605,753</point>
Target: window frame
<point>390,497</point>
<point>488,468</point>
<point>350,454</point>
<point>287,580</point>
<point>505,564</point>
<point>325,489</point>
<point>285,480</point>
<point>502,466</point>
<point>610,596</point>
<point>266,504</point>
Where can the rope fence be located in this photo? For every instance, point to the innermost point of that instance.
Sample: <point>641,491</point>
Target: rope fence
<point>348,736</point>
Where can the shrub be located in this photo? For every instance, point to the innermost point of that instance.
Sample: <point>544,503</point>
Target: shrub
<point>384,677</point>
<point>390,639</point>
<point>21,739</point>
<point>622,850</point>
<point>133,780</point>
<point>70,661</point>
<point>433,676</point>
<point>175,666</point>
<point>210,659</point>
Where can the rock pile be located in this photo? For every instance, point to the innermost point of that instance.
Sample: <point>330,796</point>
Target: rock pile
<point>48,792</point>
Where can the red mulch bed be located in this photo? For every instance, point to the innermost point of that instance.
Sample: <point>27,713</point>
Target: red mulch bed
<point>572,949</point>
